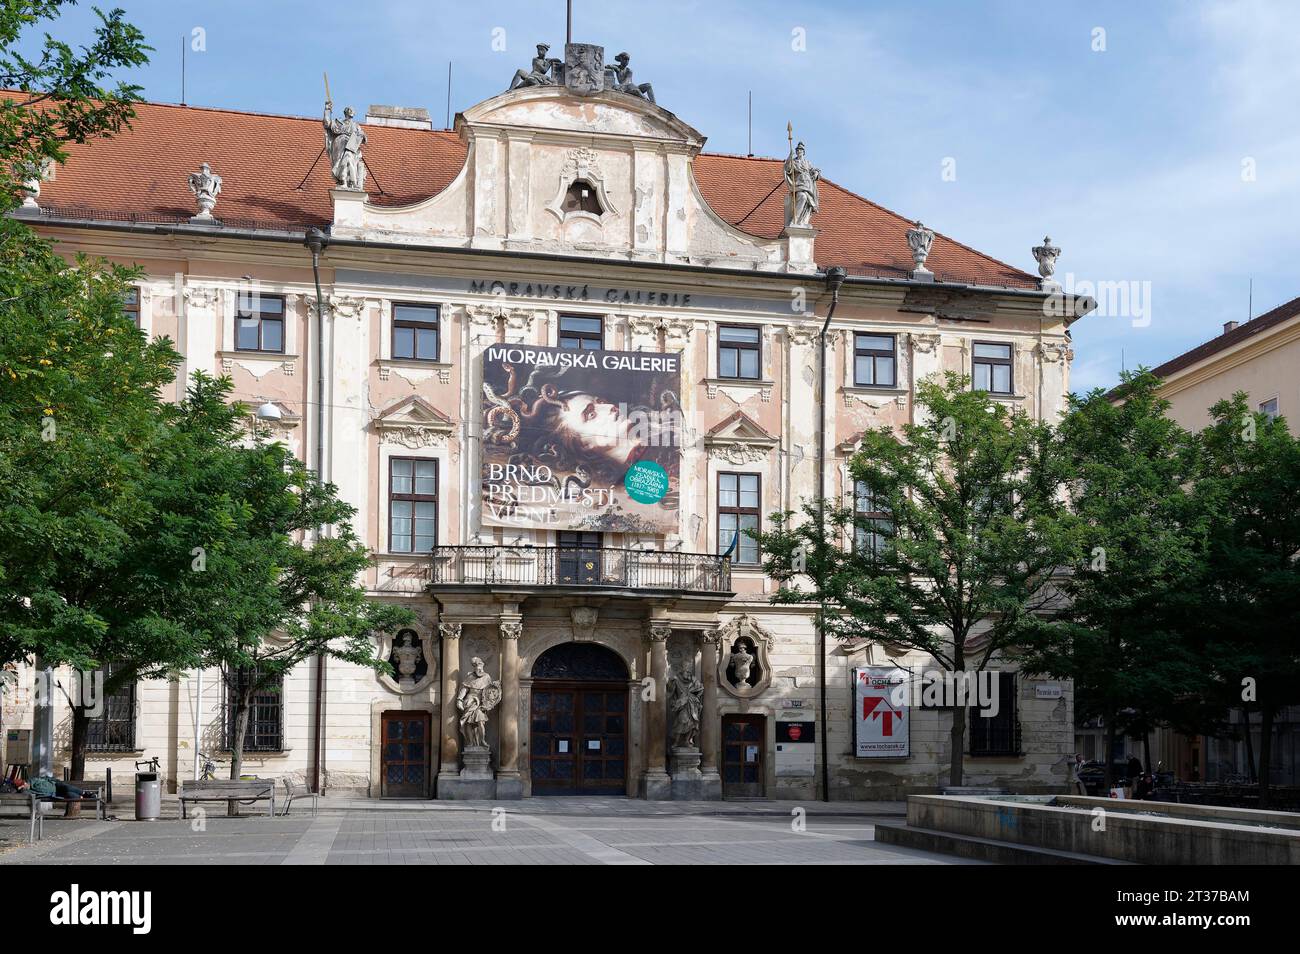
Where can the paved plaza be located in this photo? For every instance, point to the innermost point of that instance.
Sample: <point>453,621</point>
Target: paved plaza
<point>532,832</point>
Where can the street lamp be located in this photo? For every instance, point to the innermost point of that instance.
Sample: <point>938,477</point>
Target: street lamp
<point>835,276</point>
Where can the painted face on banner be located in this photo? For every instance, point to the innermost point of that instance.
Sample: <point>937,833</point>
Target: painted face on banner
<point>599,426</point>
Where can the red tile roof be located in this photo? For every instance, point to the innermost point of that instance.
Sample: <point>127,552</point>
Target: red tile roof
<point>141,174</point>
<point>1229,338</point>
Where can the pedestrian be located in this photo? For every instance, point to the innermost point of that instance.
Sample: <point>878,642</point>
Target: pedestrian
<point>1134,775</point>
<point>1076,781</point>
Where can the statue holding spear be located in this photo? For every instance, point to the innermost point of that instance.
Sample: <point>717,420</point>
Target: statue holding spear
<point>343,141</point>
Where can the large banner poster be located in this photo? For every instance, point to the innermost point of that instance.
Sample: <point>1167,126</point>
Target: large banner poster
<point>581,440</point>
<point>881,722</point>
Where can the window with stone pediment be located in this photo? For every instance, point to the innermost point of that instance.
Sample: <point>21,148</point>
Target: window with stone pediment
<point>412,504</point>
<point>739,514</point>
<point>872,523</point>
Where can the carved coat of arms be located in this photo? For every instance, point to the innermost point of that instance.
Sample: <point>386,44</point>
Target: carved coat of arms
<point>584,68</point>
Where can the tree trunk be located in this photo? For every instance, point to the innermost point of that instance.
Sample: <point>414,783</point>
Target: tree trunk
<point>77,768</point>
<point>1265,753</point>
<point>1250,746</point>
<point>80,731</point>
<point>957,744</point>
<point>243,705</point>
<point>1108,755</point>
<point>1146,751</point>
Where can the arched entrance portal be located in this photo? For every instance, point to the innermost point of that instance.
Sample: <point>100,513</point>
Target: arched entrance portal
<point>578,723</point>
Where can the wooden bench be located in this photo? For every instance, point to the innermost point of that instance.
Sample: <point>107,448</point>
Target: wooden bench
<point>92,790</point>
<point>31,804</point>
<point>294,790</point>
<point>229,791</point>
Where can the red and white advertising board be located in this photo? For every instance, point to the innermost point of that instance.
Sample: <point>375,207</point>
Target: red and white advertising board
<point>881,720</point>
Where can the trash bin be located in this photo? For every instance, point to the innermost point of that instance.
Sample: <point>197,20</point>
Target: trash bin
<point>148,796</point>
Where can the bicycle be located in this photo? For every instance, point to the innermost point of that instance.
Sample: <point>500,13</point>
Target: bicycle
<point>148,765</point>
<point>209,770</point>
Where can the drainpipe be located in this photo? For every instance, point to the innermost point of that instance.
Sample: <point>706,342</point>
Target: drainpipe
<point>316,241</point>
<point>834,279</point>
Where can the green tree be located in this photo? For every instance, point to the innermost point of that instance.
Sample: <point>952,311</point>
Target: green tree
<point>1125,637</point>
<point>277,593</point>
<point>61,94</point>
<point>977,531</point>
<point>78,383</point>
<point>1250,486</point>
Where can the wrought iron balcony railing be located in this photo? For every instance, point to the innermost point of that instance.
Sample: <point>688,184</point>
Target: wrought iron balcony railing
<point>608,568</point>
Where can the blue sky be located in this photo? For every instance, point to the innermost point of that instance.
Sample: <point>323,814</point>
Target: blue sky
<point>1160,154</point>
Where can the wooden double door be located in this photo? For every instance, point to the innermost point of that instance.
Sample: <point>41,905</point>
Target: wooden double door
<point>578,738</point>
<point>405,755</point>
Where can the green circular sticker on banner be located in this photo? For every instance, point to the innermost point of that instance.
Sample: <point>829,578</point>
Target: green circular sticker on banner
<point>646,482</point>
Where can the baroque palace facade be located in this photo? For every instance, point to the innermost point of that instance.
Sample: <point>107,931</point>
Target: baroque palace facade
<point>515,311</point>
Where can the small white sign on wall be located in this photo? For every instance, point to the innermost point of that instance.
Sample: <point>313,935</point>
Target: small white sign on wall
<point>1047,690</point>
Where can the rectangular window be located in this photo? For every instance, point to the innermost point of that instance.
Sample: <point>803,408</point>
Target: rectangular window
<point>416,332</point>
<point>991,368</point>
<point>738,511</point>
<point>259,323</point>
<point>582,333</point>
<point>412,505</point>
<point>131,305</point>
<point>579,556</point>
<point>1268,408</point>
<point>873,524</point>
<point>874,361</point>
<point>265,732</point>
<point>997,734</point>
<point>113,730</point>
<point>740,352</point>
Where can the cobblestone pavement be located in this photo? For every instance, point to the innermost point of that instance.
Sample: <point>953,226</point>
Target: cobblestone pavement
<point>534,831</point>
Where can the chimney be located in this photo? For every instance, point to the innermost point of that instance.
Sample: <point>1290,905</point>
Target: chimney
<point>1229,326</point>
<point>407,117</point>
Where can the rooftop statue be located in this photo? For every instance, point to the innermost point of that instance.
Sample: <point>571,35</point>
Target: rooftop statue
<point>343,141</point>
<point>801,178</point>
<point>618,75</point>
<point>544,70</point>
